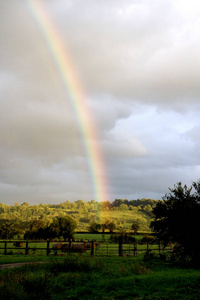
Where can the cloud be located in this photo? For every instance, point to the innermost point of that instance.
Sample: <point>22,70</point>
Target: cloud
<point>138,62</point>
<point>38,128</point>
<point>124,148</point>
<point>152,52</point>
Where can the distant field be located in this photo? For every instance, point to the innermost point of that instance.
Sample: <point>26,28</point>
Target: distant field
<point>123,219</point>
<point>99,237</point>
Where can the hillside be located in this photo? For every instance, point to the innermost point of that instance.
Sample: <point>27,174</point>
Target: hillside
<point>121,212</point>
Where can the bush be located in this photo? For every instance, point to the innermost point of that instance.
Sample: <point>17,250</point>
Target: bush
<point>148,239</point>
<point>122,236</point>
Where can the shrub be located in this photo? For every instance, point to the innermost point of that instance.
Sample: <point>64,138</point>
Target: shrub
<point>148,239</point>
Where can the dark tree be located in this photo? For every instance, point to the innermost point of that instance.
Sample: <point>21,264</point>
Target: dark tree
<point>135,227</point>
<point>94,227</point>
<point>111,227</point>
<point>103,227</point>
<point>63,226</point>
<point>37,230</point>
<point>177,218</point>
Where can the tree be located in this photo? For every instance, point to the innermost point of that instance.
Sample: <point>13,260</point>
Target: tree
<point>135,227</point>
<point>103,227</point>
<point>38,229</point>
<point>176,218</point>
<point>36,224</point>
<point>8,229</point>
<point>25,204</point>
<point>94,227</point>
<point>106,205</point>
<point>63,226</point>
<point>123,207</point>
<point>111,227</point>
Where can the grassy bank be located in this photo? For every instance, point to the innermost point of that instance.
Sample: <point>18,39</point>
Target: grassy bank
<point>79,277</point>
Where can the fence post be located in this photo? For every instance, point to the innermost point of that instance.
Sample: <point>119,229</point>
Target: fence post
<point>147,248</point>
<point>5,248</point>
<point>120,248</point>
<point>135,249</point>
<point>48,251</point>
<point>26,250</point>
<point>92,249</point>
<point>70,244</point>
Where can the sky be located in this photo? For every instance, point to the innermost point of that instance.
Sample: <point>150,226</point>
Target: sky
<point>137,64</point>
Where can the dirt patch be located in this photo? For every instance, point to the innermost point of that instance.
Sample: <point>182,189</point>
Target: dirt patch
<point>16,265</point>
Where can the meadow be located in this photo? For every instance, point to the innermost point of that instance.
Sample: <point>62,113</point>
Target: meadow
<point>83,277</point>
<point>103,276</point>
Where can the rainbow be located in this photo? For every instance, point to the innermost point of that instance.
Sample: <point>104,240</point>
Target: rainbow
<point>76,96</point>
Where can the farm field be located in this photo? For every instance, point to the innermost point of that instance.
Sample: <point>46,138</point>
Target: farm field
<point>82,277</point>
<point>124,219</point>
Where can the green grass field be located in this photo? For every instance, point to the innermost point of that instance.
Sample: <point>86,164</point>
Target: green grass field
<point>104,276</point>
<point>81,277</point>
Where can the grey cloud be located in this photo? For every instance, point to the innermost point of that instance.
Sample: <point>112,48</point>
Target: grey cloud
<point>139,64</point>
<point>123,148</point>
<point>107,110</point>
<point>151,52</point>
<point>38,127</point>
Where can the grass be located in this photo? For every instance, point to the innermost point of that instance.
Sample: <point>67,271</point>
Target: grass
<point>91,236</point>
<point>9,259</point>
<point>100,236</point>
<point>81,277</point>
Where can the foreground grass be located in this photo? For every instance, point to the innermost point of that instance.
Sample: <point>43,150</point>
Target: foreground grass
<point>9,259</point>
<point>100,278</point>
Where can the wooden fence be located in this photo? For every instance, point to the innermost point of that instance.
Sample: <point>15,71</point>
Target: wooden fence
<point>104,249</point>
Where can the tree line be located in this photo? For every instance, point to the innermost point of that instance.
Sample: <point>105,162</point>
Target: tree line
<point>27,211</point>
<point>19,219</point>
